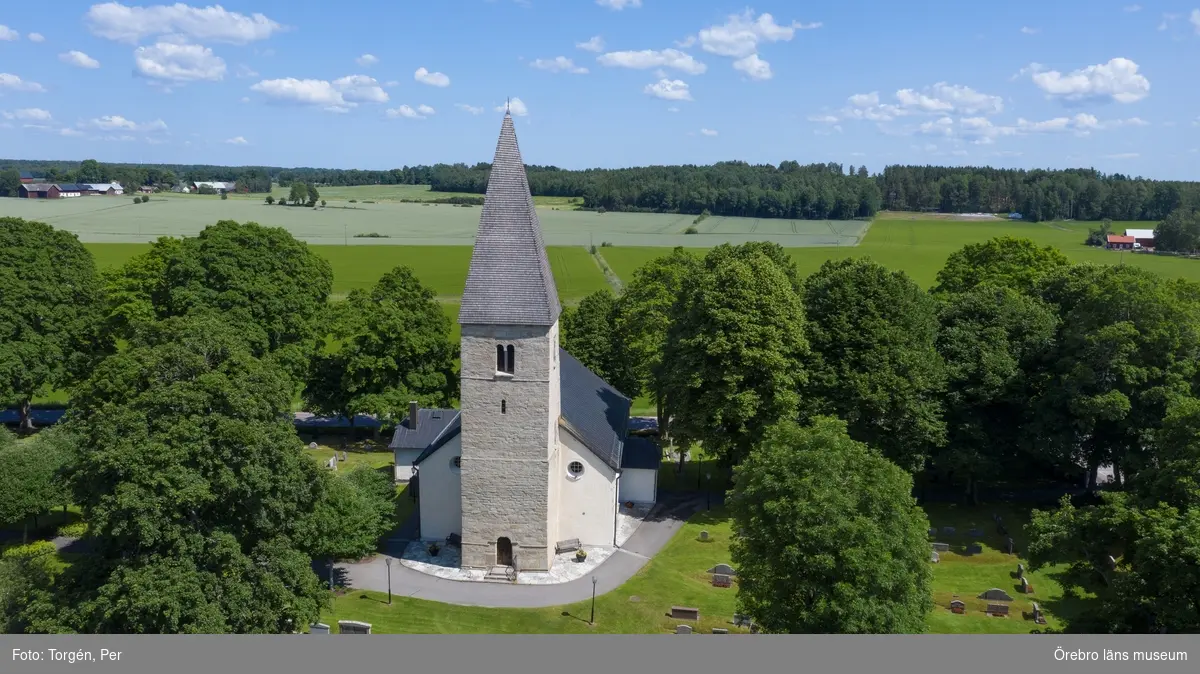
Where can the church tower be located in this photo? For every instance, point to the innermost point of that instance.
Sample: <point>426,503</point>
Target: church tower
<point>509,378</point>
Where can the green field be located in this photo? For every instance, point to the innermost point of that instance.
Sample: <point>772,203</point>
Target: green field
<point>677,577</point>
<point>384,193</point>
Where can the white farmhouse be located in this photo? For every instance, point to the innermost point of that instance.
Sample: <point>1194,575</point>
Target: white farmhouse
<point>539,453</point>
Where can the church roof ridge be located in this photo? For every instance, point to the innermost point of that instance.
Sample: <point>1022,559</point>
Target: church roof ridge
<point>509,281</point>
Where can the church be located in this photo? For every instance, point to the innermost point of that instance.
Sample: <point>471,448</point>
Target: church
<point>539,455</point>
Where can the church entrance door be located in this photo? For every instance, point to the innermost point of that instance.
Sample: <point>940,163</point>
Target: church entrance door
<point>504,555</point>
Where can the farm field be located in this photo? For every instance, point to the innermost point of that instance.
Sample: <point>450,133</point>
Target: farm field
<point>119,220</point>
<point>381,193</point>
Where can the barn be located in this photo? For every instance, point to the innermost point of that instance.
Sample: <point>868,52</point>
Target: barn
<point>68,190</point>
<point>1144,238</point>
<point>38,191</point>
<point>109,189</point>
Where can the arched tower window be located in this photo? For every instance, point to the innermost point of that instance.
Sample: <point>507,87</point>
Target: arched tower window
<point>503,407</point>
<point>506,358</point>
<point>512,359</point>
<point>499,358</point>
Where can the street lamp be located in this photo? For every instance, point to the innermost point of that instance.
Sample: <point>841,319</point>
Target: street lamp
<point>593,620</point>
<point>708,490</point>
<point>388,562</point>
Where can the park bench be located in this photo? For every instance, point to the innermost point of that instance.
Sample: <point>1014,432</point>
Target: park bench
<point>569,545</point>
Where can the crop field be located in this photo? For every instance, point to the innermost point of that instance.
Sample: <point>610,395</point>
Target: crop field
<point>919,247</point>
<point>383,193</point>
<point>119,220</point>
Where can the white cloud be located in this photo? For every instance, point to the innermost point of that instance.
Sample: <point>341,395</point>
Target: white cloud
<point>244,70</point>
<point>754,67</point>
<point>1030,31</point>
<point>982,131</point>
<point>174,62</point>
<point>426,110</point>
<point>360,89</point>
<point>672,109</point>
<point>308,92</point>
<point>686,42</point>
<point>708,132</point>
<point>36,37</point>
<point>9,81</point>
<point>432,79</point>
<point>69,132</point>
<point>1195,19</point>
<point>29,114</point>
<point>941,99</point>
<point>671,90</point>
<point>824,119</point>
<point>741,34</point>
<point>618,5</point>
<point>559,64</point>
<point>1132,8</point>
<point>1118,80</point>
<point>865,100</point>
<point>649,58</point>
<point>237,140</point>
<point>595,44</point>
<point>115,21</point>
<point>516,107</point>
<point>119,123</point>
<point>407,111</point>
<point>79,59</point>
<point>474,110</point>
<point>8,34</point>
<point>367,60</point>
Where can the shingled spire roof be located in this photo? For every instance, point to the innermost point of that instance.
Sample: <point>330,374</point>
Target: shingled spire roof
<point>509,282</point>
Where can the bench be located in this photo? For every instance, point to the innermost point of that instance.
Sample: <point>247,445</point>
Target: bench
<point>569,545</point>
<point>454,540</point>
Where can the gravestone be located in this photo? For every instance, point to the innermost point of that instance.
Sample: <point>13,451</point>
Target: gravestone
<point>683,629</point>
<point>332,463</point>
<point>1024,585</point>
<point>996,518</point>
<point>740,620</point>
<point>949,531</point>
<point>685,613</point>
<point>704,535</point>
<point>312,445</point>
<point>934,556</point>
<point>958,606</point>
<point>997,609</point>
<point>353,627</point>
<point>1037,614</point>
<point>1112,563</point>
<point>996,594</point>
<point>1020,569</point>
<point>721,580</point>
<point>720,630</point>
<point>977,533</point>
<point>1009,546</point>
<point>318,628</point>
<point>723,569</point>
<point>343,457</point>
<point>941,547</point>
<point>974,549</point>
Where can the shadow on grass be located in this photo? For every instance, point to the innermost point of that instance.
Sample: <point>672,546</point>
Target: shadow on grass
<point>1071,608</point>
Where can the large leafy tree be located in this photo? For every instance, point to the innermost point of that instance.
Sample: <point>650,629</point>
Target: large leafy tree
<point>734,352</point>
<point>356,511</point>
<point>51,312</point>
<point>990,337</point>
<point>395,347</point>
<point>1179,231</point>
<point>1006,261</point>
<point>874,361</point>
<point>137,292</point>
<point>32,480</point>
<point>588,333</point>
<point>10,183</point>
<point>643,318</point>
<point>831,539</point>
<point>194,486</point>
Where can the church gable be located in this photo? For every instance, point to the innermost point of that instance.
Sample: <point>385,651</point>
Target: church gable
<point>593,411</point>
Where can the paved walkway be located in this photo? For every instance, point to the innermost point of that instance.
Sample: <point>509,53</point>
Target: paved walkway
<point>649,538</point>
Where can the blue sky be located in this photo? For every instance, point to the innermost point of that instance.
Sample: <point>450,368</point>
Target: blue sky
<point>606,83</point>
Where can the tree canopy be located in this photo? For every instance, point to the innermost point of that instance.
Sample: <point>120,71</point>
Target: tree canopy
<point>589,334</point>
<point>1006,261</point>
<point>831,539</point>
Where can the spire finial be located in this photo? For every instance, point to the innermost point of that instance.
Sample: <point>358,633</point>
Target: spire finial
<point>507,105</point>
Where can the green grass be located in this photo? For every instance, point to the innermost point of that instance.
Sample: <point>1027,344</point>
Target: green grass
<point>384,193</point>
<point>359,453</point>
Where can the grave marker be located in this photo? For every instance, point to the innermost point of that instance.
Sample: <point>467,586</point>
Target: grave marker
<point>318,628</point>
<point>685,613</point>
<point>721,580</point>
<point>997,610</point>
<point>683,629</point>
<point>934,556</point>
<point>941,547</point>
<point>996,594</point>
<point>1009,546</point>
<point>949,531</point>
<point>958,606</point>
<point>720,630</point>
<point>353,627</point>
<point>723,569</point>
<point>704,535</point>
<point>974,549</point>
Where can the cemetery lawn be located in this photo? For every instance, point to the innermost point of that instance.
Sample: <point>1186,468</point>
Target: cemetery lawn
<point>361,453</point>
<point>677,576</point>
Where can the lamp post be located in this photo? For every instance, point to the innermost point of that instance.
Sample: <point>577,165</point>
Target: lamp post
<point>593,620</point>
<point>708,490</point>
<point>388,562</point>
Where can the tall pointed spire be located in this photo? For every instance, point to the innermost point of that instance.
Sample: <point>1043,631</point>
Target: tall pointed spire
<point>509,282</point>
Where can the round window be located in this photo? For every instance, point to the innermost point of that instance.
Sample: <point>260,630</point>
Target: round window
<point>575,468</point>
<point>456,462</point>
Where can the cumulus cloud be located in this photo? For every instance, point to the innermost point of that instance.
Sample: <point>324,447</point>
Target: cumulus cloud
<point>754,67</point>
<point>360,89</point>
<point>28,114</point>
<point>432,79</point>
<point>173,62</point>
<point>558,64</point>
<point>119,123</point>
<point>367,60</point>
<point>1117,80</point>
<point>78,59</point>
<point>708,132</point>
<point>618,5</point>
<point>940,99</point>
<point>741,34</point>
<point>8,34</point>
<point>406,111</point>
<point>824,119</point>
<point>115,21</point>
<point>1030,31</point>
<point>595,44</point>
<point>36,37</point>
<point>649,58</point>
<point>472,109</point>
<point>340,95</point>
<point>516,108</point>
<point>14,83</point>
<point>982,131</point>
<point>237,140</point>
<point>671,90</point>
<point>244,70</point>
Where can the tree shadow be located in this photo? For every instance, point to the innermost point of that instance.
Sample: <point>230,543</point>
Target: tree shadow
<point>568,614</point>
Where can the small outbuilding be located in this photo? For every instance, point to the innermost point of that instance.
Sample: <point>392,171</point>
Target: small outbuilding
<point>1144,238</point>
<point>108,189</point>
<point>38,191</point>
<point>1118,242</point>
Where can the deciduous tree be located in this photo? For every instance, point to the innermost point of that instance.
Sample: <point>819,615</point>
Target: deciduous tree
<point>589,334</point>
<point>1006,261</point>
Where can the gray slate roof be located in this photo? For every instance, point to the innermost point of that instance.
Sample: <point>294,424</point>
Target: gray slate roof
<point>434,428</point>
<point>641,452</point>
<point>593,410</point>
<point>509,282</point>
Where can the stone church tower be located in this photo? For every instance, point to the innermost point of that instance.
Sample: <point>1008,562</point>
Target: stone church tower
<point>509,379</point>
